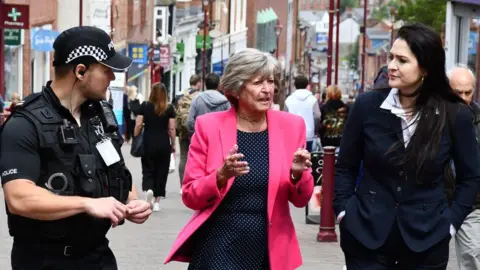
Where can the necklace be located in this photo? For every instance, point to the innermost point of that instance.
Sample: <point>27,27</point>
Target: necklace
<point>254,124</point>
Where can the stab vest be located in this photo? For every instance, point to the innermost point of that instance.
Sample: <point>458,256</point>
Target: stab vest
<point>79,165</point>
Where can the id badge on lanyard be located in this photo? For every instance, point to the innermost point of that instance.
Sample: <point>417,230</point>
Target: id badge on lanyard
<point>105,147</point>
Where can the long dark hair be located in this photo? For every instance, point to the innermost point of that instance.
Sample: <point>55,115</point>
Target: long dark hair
<point>434,98</point>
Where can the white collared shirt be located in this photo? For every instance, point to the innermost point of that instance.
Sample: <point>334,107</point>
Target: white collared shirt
<point>392,103</point>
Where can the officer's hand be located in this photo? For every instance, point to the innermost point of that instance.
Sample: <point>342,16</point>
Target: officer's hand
<point>138,211</point>
<point>107,208</point>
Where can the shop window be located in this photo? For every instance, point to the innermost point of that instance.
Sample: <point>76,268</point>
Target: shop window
<point>11,72</point>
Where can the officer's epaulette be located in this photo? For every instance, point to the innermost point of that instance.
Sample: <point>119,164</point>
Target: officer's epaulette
<point>106,103</point>
<point>27,100</point>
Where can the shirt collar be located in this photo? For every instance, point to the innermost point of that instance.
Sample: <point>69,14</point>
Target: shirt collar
<point>392,102</point>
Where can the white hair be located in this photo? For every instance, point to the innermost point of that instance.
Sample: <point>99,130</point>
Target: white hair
<point>462,66</point>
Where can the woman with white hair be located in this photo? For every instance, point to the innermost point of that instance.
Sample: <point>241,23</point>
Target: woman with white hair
<point>244,167</point>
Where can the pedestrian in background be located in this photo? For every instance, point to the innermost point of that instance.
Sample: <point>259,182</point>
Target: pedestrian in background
<point>182,110</point>
<point>127,130</point>
<point>333,116</point>
<point>208,101</point>
<point>244,167</point>
<point>135,101</point>
<point>398,217</point>
<point>14,99</point>
<point>157,118</point>
<point>467,240</point>
<point>304,104</point>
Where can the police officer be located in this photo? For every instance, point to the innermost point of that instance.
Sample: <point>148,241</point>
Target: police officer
<point>64,178</point>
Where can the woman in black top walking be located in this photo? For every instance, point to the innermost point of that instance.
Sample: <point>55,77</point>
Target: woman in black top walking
<point>157,117</point>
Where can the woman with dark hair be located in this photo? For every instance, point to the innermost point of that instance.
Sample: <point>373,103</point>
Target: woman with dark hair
<point>157,117</point>
<point>399,217</point>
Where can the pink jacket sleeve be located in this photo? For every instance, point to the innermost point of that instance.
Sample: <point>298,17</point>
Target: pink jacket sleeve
<point>301,192</point>
<point>199,188</point>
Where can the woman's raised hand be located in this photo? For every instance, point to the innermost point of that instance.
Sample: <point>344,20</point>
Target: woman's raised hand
<point>232,167</point>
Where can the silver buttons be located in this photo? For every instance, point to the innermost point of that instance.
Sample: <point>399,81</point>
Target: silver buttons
<point>399,189</point>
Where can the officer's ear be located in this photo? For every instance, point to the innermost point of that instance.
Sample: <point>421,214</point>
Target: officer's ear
<point>79,71</point>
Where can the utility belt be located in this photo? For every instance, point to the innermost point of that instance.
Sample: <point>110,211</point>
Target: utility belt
<point>60,249</point>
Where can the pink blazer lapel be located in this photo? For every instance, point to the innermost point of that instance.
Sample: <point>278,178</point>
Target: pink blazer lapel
<point>228,131</point>
<point>228,136</point>
<point>275,156</point>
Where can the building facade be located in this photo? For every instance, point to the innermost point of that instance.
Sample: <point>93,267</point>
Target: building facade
<point>188,17</point>
<point>27,70</point>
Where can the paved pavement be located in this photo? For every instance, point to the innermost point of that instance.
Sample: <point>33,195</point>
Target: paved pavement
<point>144,247</point>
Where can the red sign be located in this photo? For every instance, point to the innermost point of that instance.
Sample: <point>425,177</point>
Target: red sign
<point>14,16</point>
<point>165,56</point>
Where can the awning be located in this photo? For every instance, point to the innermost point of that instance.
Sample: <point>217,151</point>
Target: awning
<point>164,2</point>
<point>136,71</point>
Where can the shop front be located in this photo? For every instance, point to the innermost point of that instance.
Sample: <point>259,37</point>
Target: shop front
<point>13,53</point>
<point>41,41</point>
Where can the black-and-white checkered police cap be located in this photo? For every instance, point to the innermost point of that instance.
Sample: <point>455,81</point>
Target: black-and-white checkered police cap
<point>88,42</point>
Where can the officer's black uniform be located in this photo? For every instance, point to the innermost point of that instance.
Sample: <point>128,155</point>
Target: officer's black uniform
<point>41,142</point>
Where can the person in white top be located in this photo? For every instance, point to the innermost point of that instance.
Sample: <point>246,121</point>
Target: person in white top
<point>303,103</point>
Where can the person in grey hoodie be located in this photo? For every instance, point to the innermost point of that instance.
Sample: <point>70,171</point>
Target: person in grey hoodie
<point>206,102</point>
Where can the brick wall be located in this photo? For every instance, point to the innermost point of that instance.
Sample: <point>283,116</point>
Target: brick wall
<point>41,12</point>
<point>120,23</point>
<point>280,7</point>
<point>138,31</point>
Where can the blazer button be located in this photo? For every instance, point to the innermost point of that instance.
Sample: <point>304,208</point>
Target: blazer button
<point>400,173</point>
<point>270,224</point>
<point>399,189</point>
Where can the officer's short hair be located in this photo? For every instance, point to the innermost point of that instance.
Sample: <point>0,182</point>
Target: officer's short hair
<point>194,79</point>
<point>63,70</point>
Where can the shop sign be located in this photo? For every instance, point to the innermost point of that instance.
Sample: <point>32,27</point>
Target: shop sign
<point>14,16</point>
<point>162,56</point>
<point>42,40</point>
<point>139,53</point>
<point>13,37</point>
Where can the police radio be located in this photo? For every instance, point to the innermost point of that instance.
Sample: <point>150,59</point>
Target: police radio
<point>106,115</point>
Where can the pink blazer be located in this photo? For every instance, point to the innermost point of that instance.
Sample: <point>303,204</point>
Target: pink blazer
<point>215,134</point>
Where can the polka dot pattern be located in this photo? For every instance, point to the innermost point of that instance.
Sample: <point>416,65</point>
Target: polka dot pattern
<point>235,236</point>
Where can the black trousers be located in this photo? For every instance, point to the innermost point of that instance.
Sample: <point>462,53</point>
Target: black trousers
<point>32,256</point>
<point>155,172</point>
<point>394,254</point>
<point>130,127</point>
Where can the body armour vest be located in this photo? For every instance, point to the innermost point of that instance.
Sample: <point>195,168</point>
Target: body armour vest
<point>75,169</point>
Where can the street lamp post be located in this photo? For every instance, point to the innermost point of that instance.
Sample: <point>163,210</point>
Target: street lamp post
<point>278,31</point>
<point>364,41</point>
<point>204,55</point>
<point>331,10</point>
<point>337,42</point>
<point>392,29</point>
<point>80,23</point>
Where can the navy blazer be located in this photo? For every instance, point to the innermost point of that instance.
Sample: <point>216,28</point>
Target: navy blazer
<point>389,193</point>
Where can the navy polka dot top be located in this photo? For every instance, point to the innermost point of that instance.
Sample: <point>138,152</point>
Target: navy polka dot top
<point>235,236</point>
